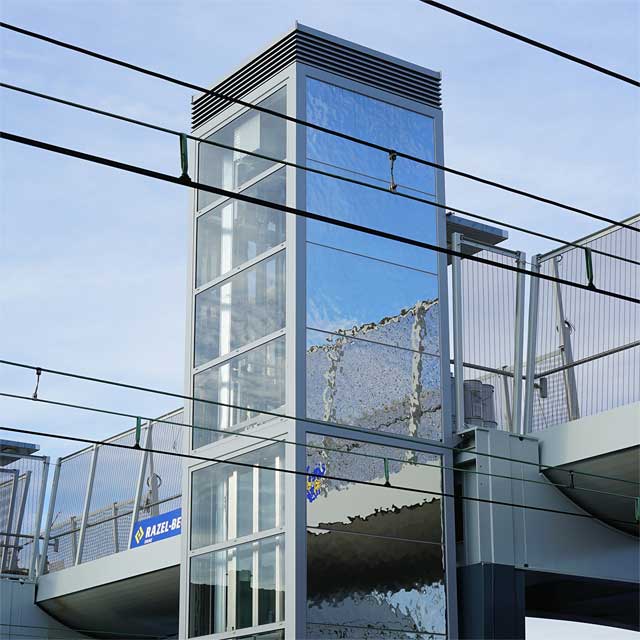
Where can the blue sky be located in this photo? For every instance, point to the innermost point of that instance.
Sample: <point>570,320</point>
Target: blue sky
<point>92,261</point>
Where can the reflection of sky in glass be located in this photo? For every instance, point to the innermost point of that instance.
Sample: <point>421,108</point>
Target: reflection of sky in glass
<point>375,121</point>
<point>343,289</point>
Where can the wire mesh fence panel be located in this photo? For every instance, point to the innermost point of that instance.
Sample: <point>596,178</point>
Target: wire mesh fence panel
<point>20,488</point>
<point>67,514</point>
<point>113,493</point>
<point>114,487</point>
<point>162,485</point>
<point>489,328</point>
<point>595,338</point>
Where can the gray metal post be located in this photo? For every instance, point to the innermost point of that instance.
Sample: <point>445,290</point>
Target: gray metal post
<point>532,333</point>
<point>13,565</point>
<point>566,352</point>
<point>36,534</point>
<point>114,511</point>
<point>458,367</point>
<point>87,504</point>
<point>139,486</point>
<point>518,351</point>
<point>507,401</point>
<point>74,537</point>
<point>9,526</point>
<point>47,531</point>
<point>153,478</point>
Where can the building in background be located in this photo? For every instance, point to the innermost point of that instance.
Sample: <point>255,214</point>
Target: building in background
<point>346,387</point>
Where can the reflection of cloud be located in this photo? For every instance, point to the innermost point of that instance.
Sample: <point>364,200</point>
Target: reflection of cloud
<point>325,314</point>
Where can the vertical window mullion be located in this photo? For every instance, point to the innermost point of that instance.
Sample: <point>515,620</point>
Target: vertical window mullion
<point>255,583</point>
<point>256,528</point>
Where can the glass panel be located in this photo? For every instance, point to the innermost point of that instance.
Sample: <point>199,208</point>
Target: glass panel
<point>374,386</point>
<point>387,125</point>
<point>370,587</point>
<point>374,209</point>
<point>243,578</point>
<point>253,380</point>
<point>208,594</point>
<point>244,308</point>
<point>375,300</point>
<point>388,511</point>
<point>374,553</point>
<point>267,589</point>
<point>209,505</point>
<point>235,231</point>
<point>222,497</point>
<point>376,121</point>
<point>373,289</point>
<point>252,131</point>
<point>224,588</point>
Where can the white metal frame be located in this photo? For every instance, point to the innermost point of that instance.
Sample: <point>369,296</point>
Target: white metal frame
<point>304,72</point>
<point>234,444</point>
<point>295,336</point>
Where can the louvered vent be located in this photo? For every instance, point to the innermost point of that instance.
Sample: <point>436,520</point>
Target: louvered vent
<point>324,54</point>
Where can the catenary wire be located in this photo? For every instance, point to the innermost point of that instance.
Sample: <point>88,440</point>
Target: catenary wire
<point>532,42</point>
<point>271,414</point>
<point>120,634</point>
<point>299,212</point>
<point>295,472</point>
<point>312,125</point>
<point>310,169</point>
<point>253,436</point>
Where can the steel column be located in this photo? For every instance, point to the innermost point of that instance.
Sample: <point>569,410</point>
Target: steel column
<point>566,352</point>
<point>458,366</point>
<point>12,505</point>
<point>87,504</point>
<point>18,527</point>
<point>36,533</point>
<point>47,530</point>
<point>114,511</point>
<point>139,486</point>
<point>518,351</point>
<point>532,335</point>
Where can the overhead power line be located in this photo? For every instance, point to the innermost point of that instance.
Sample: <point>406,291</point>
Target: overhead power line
<point>252,436</point>
<point>300,212</point>
<point>271,414</point>
<point>315,170</point>
<point>317,127</point>
<point>534,43</point>
<point>306,474</point>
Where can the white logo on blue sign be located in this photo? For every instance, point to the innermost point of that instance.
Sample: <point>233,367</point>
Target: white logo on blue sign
<point>156,528</point>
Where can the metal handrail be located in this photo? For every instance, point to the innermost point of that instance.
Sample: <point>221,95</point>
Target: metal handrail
<point>596,356</point>
<point>113,517</point>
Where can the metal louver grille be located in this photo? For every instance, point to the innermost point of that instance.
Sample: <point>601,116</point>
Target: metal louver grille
<point>311,49</point>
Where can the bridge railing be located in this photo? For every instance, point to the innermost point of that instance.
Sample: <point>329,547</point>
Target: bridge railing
<point>556,354</point>
<point>587,346</point>
<point>488,325</point>
<point>23,482</point>
<point>99,492</point>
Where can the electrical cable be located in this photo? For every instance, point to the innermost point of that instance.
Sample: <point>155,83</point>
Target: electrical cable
<point>299,212</point>
<point>317,127</point>
<point>119,634</point>
<point>271,414</point>
<point>532,42</point>
<point>306,474</point>
<point>241,434</point>
<point>307,168</point>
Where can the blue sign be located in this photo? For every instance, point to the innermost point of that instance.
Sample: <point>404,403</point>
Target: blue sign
<point>156,528</point>
<point>314,481</point>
